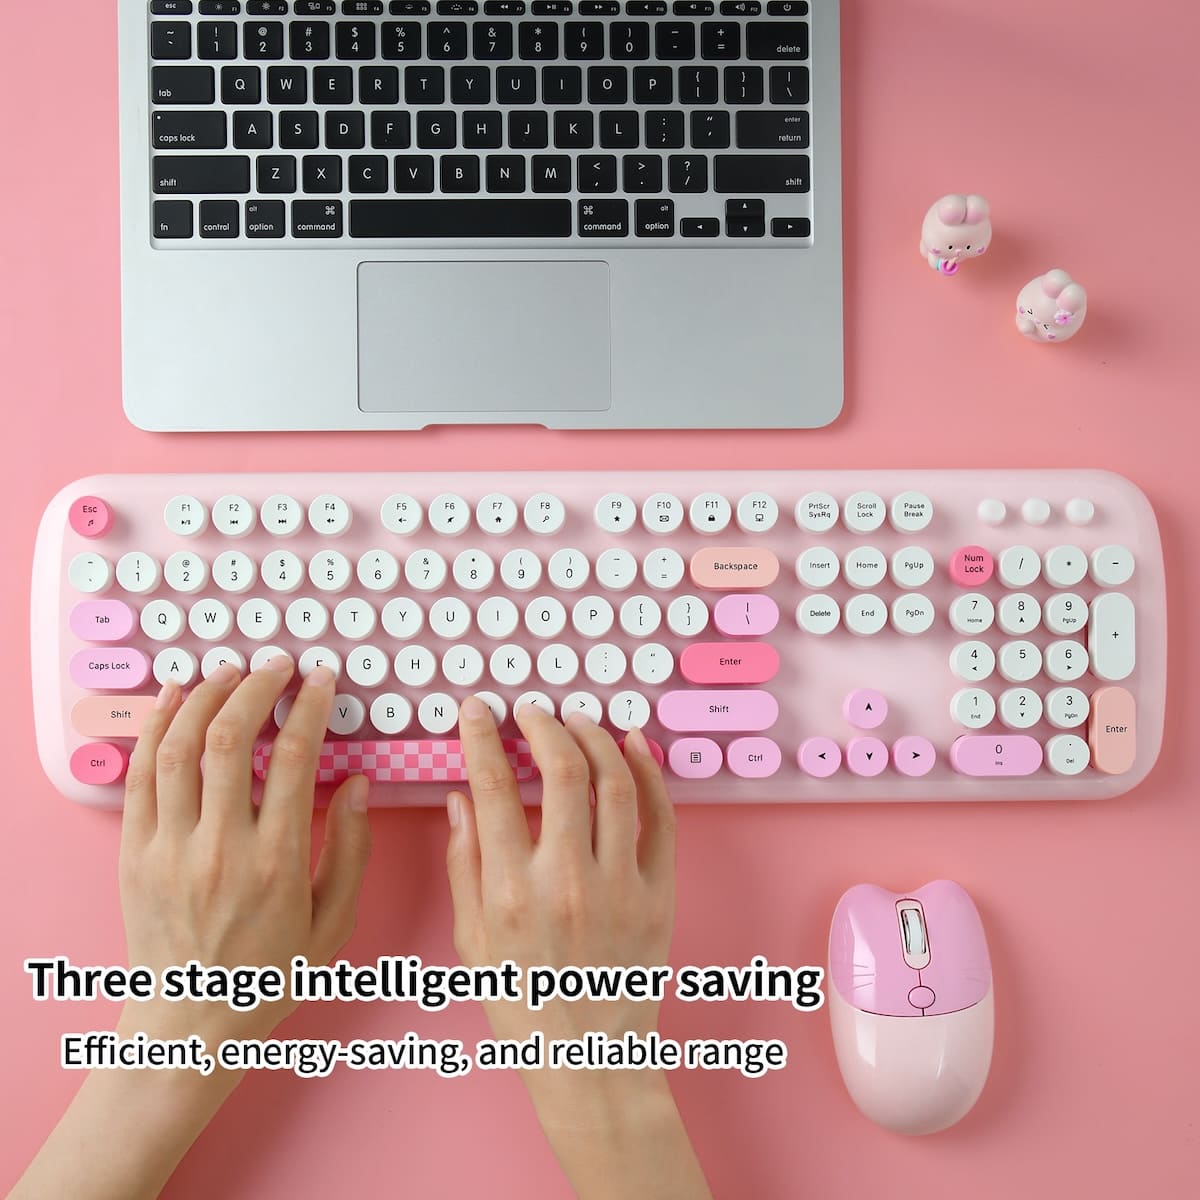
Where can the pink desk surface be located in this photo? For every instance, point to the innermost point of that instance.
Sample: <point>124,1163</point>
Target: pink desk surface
<point>1074,118</point>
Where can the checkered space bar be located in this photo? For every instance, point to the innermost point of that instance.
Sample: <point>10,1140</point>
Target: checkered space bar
<point>401,762</point>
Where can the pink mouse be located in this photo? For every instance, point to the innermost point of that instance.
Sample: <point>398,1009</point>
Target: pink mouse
<point>1051,308</point>
<point>955,228</point>
<point>911,1004</point>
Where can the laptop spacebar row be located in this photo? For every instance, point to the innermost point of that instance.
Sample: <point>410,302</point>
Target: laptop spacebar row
<point>460,218</point>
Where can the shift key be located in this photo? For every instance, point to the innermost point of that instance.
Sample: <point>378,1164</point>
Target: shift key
<point>201,175</point>
<point>731,711</point>
<point>111,716</point>
<point>760,174</point>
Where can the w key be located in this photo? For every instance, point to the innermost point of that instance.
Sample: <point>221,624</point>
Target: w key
<point>189,131</point>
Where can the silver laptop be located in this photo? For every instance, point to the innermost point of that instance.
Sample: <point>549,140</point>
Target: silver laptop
<point>389,214</point>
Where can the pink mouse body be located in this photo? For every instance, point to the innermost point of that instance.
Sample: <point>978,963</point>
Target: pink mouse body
<point>955,228</point>
<point>1051,308</point>
<point>911,1004</point>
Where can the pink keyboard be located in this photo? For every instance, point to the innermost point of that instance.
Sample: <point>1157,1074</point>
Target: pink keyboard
<point>780,635</point>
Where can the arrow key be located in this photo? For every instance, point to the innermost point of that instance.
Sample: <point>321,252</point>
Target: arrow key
<point>913,756</point>
<point>865,708</point>
<point>866,756</point>
<point>791,227</point>
<point>819,757</point>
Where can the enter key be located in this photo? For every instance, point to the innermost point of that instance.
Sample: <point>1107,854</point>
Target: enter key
<point>729,662</point>
<point>1112,731</point>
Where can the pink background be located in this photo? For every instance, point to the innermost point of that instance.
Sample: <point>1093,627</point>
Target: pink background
<point>1073,118</point>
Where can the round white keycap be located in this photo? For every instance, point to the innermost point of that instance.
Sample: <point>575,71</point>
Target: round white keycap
<point>306,619</point>
<point>496,514</point>
<point>592,616</point>
<point>402,618</point>
<point>1111,566</point>
<point>210,620</point>
<point>401,514</point>
<point>819,614</point>
<point>233,571</point>
<point>1020,708</point>
<point>521,570</point>
<point>281,710</point>
<point>817,512</point>
<point>581,702</point>
<point>355,618</point>
<point>90,573</point>
<point>911,512</point>
<point>1067,707</point>
<point>473,570</point>
<point>185,516</point>
<point>912,614</point>
<point>1064,566</point>
<point>415,666</point>
<point>1019,566</point>
<point>537,699</point>
<point>378,570</point>
<point>282,571</point>
<point>912,567</point>
<point>347,715</point>
<point>864,512</point>
<point>510,665</point>
<point>1080,511</point>
<point>1019,661</point>
<point>557,664</point>
<point>425,570</point>
<point>972,661</point>
<point>640,616</point>
<point>662,513</point>
<point>616,570</point>
<point>449,514</point>
<point>615,513</point>
<point>663,568</point>
<point>185,572</point>
<point>330,571</point>
<point>1036,511</point>
<point>281,515</point>
<point>864,567</point>
<point>709,512</point>
<point>757,513</point>
<point>568,569</point>
<point>605,663</point>
<point>544,513</point>
<point>264,654</point>
<point>545,617</point>
<point>973,708</point>
<point>258,619</point>
<point>818,567</point>
<point>1065,612</point>
<point>865,615</point>
<point>449,618</point>
<point>628,710</point>
<point>497,617</point>
<point>1066,661</point>
<point>687,616</point>
<point>652,663</point>
<point>438,713</point>
<point>391,713</point>
<point>1019,614</point>
<point>138,573</point>
<point>234,516</point>
<point>175,664</point>
<point>496,705</point>
<point>367,666</point>
<point>218,657</point>
<point>1067,754</point>
<point>972,614</point>
<point>992,511</point>
<point>462,665</point>
<point>162,621</point>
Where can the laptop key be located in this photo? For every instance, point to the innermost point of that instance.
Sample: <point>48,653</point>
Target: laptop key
<point>698,85</point>
<point>700,227</point>
<point>776,39</point>
<point>603,218</point>
<point>309,40</point>
<point>562,85</point>
<point>345,131</point>
<point>333,85</point>
<point>789,85</point>
<point>287,85</point>
<point>368,173</point>
<point>674,41</point>
<point>241,85</point>
<point>550,172</point>
<point>265,219</point>
<point>470,85</point>
<point>220,219</point>
<point>448,40</point>
<point>664,130</point>
<point>355,40</point>
<point>317,219</point>
<point>618,130</point>
<point>276,174</point>
<point>791,227</point>
<point>583,39</point>
<point>630,41</point>
<point>425,85</point>
<point>179,130</point>
<point>720,39</point>
<point>183,85</point>
<point>460,218</point>
<point>687,173</point>
<point>170,39</point>
<point>299,130</point>
<point>253,130</point>
<point>506,173</point>
<point>641,173</point>
<point>216,39</point>
<point>772,129</point>
<point>460,173</point>
<point>710,130</point>
<point>537,39</point>
<point>401,39</point>
<point>414,172</point>
<point>379,85</point>
<point>574,130</point>
<point>202,175</point>
<point>437,130</point>
<point>654,218</point>
<point>172,219</point>
<point>390,130</point>
<point>653,85</point>
<point>483,130</point>
<point>263,40</point>
<point>528,130</point>
<point>743,85</point>
<point>516,85</point>
<point>760,174</point>
<point>597,173</point>
<point>608,85</point>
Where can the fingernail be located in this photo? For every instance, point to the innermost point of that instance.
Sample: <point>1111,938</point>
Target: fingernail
<point>474,709</point>
<point>225,673</point>
<point>357,792</point>
<point>454,809</point>
<point>168,695</point>
<point>319,677</point>
<point>578,717</point>
<point>635,740</point>
<point>278,662</point>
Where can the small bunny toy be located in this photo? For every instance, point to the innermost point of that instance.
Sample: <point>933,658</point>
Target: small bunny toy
<point>955,228</point>
<point>1051,308</point>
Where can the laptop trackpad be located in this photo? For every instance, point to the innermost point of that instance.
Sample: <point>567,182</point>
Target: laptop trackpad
<point>498,337</point>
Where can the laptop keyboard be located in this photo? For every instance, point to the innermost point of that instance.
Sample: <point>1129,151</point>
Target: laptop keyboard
<point>457,121</point>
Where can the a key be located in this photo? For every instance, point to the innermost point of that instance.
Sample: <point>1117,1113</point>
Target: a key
<point>710,130</point>
<point>425,85</point>
<point>574,130</point>
<point>220,219</point>
<point>401,39</point>
<point>322,174</point>
<point>653,85</point>
<point>332,85</point>
<point>482,130</point>
<point>317,218</point>
<point>618,130</point>
<point>436,130</point>
<point>698,85</point>
<point>459,173</point>
<point>460,218</point>
<point>299,130</point>
<point>731,711</point>
<point>241,85</point>
<point>379,85</point>
<point>528,130</point>
<point>345,130</point>
<point>276,174</point>
<point>562,85</point>
<point>550,173</point>
<point>173,219</point>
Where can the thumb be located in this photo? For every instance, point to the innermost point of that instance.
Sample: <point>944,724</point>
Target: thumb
<point>341,867</point>
<point>463,865</point>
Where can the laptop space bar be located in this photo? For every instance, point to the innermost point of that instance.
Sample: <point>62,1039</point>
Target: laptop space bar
<point>460,218</point>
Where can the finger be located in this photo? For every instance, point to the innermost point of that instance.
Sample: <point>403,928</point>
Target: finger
<point>287,800</point>
<point>341,868</point>
<point>141,803</point>
<point>178,768</point>
<point>229,743</point>
<point>656,847</point>
<point>464,868</point>
<point>566,808</point>
<point>500,821</point>
<point>616,823</point>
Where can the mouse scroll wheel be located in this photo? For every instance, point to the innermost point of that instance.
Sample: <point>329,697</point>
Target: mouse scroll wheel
<point>912,922</point>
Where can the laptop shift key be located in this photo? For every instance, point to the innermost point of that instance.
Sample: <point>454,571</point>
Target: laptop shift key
<point>213,175</point>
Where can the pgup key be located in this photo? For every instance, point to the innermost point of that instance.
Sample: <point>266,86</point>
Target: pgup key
<point>1111,637</point>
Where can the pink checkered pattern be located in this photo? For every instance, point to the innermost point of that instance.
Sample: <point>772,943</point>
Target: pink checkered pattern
<point>400,762</point>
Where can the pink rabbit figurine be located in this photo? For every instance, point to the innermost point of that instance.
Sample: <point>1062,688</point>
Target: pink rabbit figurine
<point>1051,308</point>
<point>955,228</point>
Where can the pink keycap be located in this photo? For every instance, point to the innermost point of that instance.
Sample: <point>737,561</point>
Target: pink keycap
<point>753,757</point>
<point>99,763</point>
<point>402,762</point>
<point>117,670</point>
<point>865,708</point>
<point>970,566</point>
<point>745,616</point>
<point>656,751</point>
<point>102,621</point>
<point>727,568</point>
<point>90,517</point>
<point>694,758</point>
<point>988,754</point>
<point>736,712</point>
<point>729,662</point>
<point>913,756</point>
<point>866,756</point>
<point>819,757</point>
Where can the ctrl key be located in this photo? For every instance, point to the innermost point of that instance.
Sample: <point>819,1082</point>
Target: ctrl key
<point>173,220</point>
<point>99,763</point>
